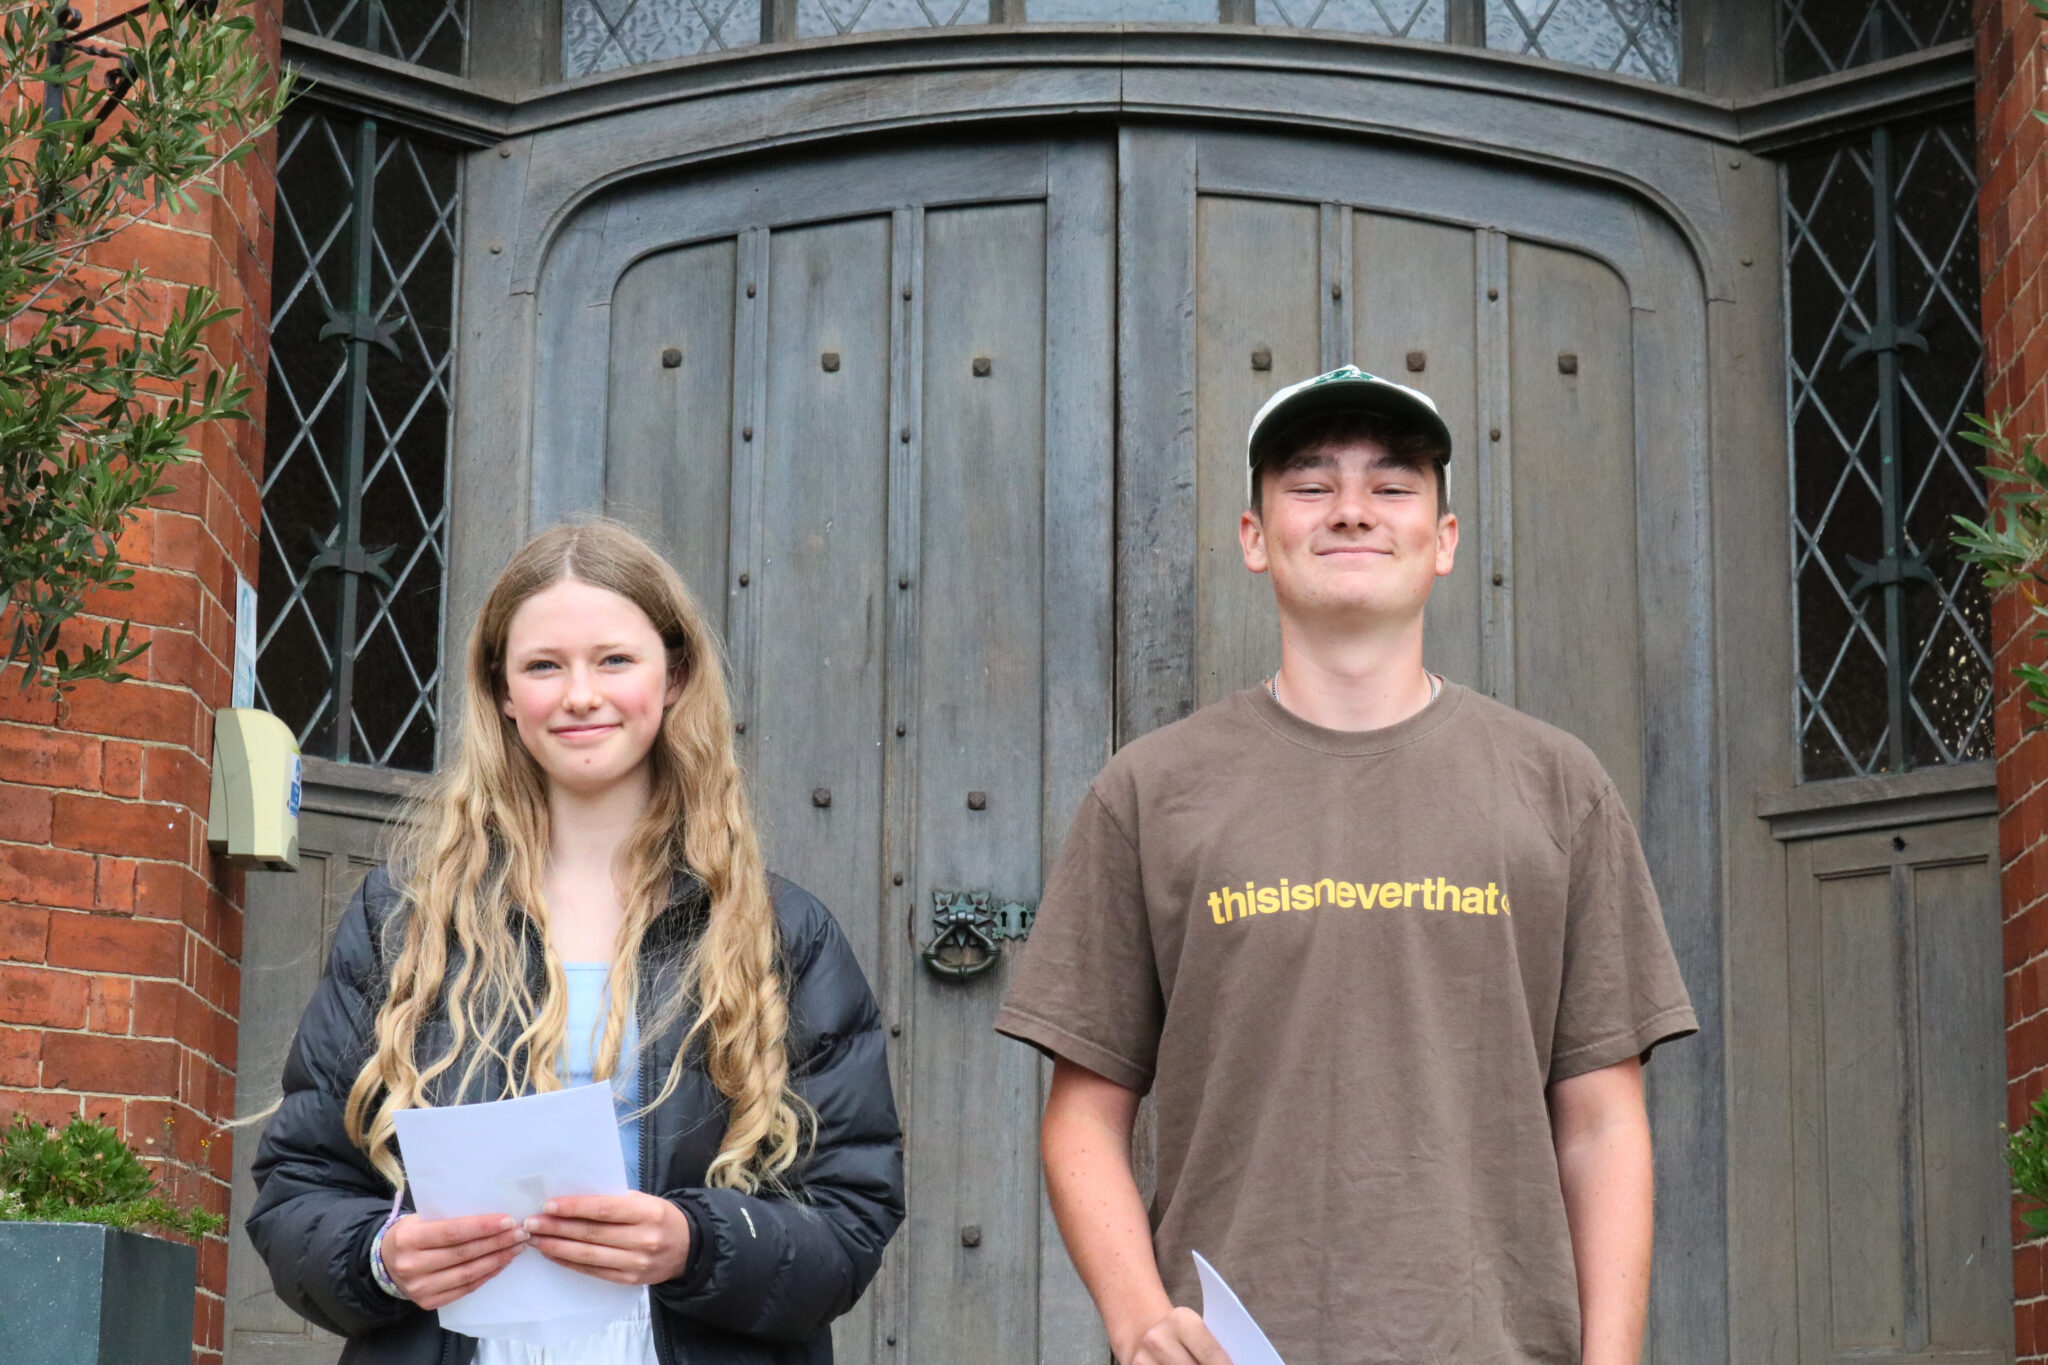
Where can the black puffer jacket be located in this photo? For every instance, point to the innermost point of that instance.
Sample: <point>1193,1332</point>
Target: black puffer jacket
<point>767,1276</point>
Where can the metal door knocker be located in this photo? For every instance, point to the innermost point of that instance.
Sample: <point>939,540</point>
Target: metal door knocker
<point>970,932</point>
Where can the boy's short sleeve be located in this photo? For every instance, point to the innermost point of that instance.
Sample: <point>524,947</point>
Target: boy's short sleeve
<point>1087,988</point>
<point>1621,993</point>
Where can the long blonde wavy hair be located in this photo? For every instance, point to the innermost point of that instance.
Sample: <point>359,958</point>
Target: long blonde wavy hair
<point>471,864</point>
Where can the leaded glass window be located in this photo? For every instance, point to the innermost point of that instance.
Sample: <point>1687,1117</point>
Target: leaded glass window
<point>602,35</point>
<point>1885,358</point>
<point>355,516</point>
<point>1632,37</point>
<point>1121,11</point>
<point>430,33</point>
<point>826,18</point>
<point>1394,18</point>
<point>1820,37</point>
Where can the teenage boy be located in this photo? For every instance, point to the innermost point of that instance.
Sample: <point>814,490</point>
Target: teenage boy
<point>1385,951</point>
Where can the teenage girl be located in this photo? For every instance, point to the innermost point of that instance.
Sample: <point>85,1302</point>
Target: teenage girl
<point>578,897</point>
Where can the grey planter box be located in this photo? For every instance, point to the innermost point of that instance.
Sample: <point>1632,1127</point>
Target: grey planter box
<point>81,1294</point>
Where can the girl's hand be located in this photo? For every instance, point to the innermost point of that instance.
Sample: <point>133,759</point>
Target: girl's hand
<point>626,1238</point>
<point>436,1261</point>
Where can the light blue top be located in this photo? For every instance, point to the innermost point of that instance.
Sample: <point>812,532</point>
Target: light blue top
<point>588,1001</point>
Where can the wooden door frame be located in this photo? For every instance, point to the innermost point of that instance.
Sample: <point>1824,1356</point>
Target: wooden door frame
<point>1674,155</point>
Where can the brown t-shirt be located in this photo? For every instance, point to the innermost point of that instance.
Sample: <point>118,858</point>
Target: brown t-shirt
<point>1348,965</point>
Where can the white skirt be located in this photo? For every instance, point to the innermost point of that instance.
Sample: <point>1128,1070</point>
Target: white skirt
<point>629,1341</point>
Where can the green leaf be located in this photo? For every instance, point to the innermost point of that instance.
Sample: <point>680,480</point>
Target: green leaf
<point>85,1173</point>
<point>87,435</point>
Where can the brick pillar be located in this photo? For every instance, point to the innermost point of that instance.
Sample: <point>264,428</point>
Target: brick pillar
<point>120,936</point>
<point>2014,240</point>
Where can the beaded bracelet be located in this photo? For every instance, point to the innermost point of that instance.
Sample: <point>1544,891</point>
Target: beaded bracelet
<point>377,1270</point>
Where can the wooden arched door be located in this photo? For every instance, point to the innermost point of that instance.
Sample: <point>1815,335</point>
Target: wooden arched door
<point>865,401</point>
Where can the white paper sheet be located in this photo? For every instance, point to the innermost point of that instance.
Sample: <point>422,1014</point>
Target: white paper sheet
<point>510,1157</point>
<point>1241,1338</point>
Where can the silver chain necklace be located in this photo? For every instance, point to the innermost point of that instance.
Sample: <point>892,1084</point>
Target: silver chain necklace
<point>1436,686</point>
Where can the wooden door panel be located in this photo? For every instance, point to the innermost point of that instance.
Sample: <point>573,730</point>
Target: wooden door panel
<point>1902,1249</point>
<point>1256,285</point>
<point>670,423</point>
<point>1415,285</point>
<point>817,674</point>
<point>973,1192</point>
<point>1577,614</point>
<point>1967,1209</point>
<point>1864,1088</point>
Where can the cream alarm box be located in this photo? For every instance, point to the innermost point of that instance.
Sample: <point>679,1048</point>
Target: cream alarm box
<point>254,813</point>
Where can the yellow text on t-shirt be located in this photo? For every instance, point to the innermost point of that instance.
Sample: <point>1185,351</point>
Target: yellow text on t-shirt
<point>1229,903</point>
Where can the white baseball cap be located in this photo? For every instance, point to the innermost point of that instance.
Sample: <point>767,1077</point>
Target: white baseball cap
<point>1350,389</point>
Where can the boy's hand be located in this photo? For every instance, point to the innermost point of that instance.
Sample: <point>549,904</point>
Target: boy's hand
<point>1179,1338</point>
<point>435,1261</point>
<point>626,1238</point>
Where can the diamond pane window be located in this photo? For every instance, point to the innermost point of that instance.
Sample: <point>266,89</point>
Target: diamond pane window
<point>827,18</point>
<point>1820,37</point>
<point>430,33</point>
<point>1121,11</point>
<point>1393,18</point>
<point>1630,37</point>
<point>603,35</point>
<point>1893,670</point>
<point>355,480</point>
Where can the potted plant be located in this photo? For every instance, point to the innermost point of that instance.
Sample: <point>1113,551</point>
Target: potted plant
<point>81,1282</point>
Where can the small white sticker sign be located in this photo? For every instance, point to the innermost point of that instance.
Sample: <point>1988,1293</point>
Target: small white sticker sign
<point>245,644</point>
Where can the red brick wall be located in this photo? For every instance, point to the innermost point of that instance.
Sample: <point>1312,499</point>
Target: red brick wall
<point>2014,242</point>
<point>120,936</point>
